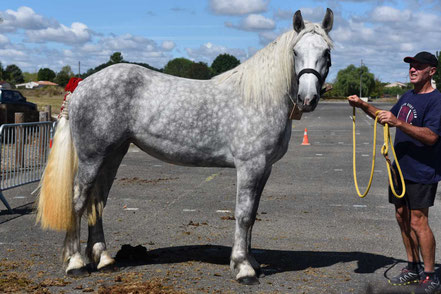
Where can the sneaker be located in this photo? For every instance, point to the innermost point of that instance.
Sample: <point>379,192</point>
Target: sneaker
<point>406,277</point>
<point>428,286</point>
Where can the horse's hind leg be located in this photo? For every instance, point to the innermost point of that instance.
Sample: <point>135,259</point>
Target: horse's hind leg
<point>83,186</point>
<point>96,245</point>
<point>72,250</point>
<point>251,178</point>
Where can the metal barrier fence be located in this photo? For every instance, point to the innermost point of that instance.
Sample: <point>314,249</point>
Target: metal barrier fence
<point>23,154</point>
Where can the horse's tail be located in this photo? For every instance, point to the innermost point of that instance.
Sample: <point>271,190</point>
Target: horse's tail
<point>55,210</point>
<point>55,205</point>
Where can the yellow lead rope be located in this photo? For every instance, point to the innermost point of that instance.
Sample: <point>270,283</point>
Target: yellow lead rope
<point>384,151</point>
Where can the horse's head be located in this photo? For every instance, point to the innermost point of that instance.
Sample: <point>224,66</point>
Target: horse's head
<point>312,59</point>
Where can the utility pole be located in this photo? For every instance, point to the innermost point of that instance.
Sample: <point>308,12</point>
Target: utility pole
<point>361,73</point>
<point>79,68</point>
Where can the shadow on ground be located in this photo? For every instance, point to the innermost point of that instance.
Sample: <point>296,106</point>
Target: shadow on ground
<point>6,215</point>
<point>274,261</point>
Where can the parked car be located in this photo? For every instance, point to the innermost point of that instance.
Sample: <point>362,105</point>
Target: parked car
<point>13,101</point>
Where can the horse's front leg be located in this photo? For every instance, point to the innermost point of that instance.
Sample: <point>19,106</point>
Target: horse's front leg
<point>261,185</point>
<point>251,178</point>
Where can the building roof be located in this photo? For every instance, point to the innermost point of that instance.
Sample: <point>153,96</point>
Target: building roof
<point>46,83</point>
<point>396,84</point>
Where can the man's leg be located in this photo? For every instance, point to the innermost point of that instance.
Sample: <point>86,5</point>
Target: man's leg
<point>410,240</point>
<point>410,273</point>
<point>419,222</point>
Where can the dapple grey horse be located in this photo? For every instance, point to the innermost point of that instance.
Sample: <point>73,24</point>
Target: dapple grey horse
<point>237,119</point>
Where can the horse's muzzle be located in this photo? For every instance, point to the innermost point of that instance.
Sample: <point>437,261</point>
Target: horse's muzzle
<point>307,104</point>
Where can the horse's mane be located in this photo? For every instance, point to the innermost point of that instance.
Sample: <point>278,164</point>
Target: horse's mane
<point>266,77</point>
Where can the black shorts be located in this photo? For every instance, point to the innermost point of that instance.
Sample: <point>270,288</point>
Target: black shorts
<point>417,195</point>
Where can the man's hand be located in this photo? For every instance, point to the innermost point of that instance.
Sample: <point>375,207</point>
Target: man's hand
<point>355,101</point>
<point>386,117</point>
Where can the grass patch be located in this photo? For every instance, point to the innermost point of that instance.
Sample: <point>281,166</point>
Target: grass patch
<point>52,96</point>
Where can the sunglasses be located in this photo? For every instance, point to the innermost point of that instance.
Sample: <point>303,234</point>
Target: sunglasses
<point>418,66</point>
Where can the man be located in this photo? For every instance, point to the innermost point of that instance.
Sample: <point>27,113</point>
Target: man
<point>417,118</point>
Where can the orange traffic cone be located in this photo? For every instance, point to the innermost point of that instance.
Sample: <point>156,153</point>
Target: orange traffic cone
<point>305,138</point>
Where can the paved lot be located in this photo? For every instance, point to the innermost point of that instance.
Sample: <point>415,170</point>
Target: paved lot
<point>171,227</point>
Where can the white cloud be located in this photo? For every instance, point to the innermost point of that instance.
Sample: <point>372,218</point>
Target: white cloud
<point>254,22</point>
<point>390,14</point>
<point>383,39</point>
<point>11,53</point>
<point>23,18</point>
<point>315,14</point>
<point>40,29</point>
<point>168,45</point>
<point>208,52</point>
<point>3,39</point>
<point>235,7</point>
<point>133,48</point>
<point>283,14</point>
<point>78,33</point>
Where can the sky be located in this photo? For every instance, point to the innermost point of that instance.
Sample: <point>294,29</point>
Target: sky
<point>379,34</point>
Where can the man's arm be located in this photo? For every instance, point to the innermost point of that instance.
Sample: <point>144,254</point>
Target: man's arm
<point>369,109</point>
<point>422,134</point>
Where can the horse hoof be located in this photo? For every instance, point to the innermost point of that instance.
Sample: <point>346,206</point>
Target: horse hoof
<point>111,268</point>
<point>249,281</point>
<point>78,272</point>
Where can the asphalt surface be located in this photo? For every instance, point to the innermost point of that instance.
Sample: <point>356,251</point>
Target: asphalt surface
<point>173,225</point>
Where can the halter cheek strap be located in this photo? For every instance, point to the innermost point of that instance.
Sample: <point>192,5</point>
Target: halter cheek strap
<point>311,71</point>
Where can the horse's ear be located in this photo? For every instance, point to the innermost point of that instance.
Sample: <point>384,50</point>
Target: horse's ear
<point>297,21</point>
<point>328,20</point>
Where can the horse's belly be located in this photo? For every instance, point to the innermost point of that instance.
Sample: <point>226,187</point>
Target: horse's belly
<point>185,154</point>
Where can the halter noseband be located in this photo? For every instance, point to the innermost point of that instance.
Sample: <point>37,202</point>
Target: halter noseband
<point>314,72</point>
<point>311,71</point>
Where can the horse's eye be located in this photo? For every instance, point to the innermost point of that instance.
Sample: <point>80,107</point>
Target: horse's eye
<point>295,52</point>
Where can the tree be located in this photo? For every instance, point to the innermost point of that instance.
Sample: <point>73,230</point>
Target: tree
<point>29,77</point>
<point>437,76</point>
<point>179,67</point>
<point>348,81</point>
<point>46,74</point>
<point>378,89</point>
<point>199,71</point>
<point>1,72</point>
<point>13,74</point>
<point>116,58</point>
<point>64,76</point>
<point>223,63</point>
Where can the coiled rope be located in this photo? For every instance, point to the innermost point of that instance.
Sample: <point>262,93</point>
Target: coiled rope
<point>384,151</point>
